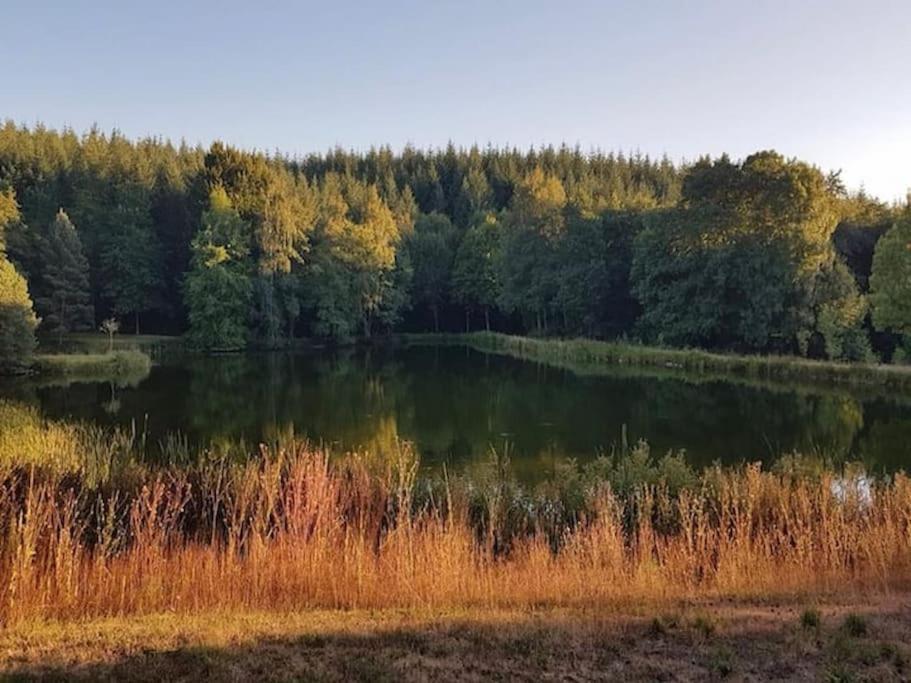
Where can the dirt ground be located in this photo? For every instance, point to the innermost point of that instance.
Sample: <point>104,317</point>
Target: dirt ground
<point>836,641</point>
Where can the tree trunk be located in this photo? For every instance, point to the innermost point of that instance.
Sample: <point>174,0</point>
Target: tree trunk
<point>467,319</point>
<point>137,323</point>
<point>366,320</point>
<point>436,318</point>
<point>487,318</point>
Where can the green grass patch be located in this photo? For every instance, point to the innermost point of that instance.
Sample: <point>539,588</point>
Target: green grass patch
<point>128,366</point>
<point>584,355</point>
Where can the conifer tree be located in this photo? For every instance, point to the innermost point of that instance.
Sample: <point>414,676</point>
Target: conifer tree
<point>62,295</point>
<point>131,261</point>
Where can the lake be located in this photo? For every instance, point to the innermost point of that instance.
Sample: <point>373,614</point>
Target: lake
<point>455,403</point>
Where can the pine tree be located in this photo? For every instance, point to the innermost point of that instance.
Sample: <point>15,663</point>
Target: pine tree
<point>131,261</point>
<point>62,294</point>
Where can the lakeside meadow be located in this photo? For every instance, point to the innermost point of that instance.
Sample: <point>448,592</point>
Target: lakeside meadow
<point>346,565</point>
<point>90,530</point>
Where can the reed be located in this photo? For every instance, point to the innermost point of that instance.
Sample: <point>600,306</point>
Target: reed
<point>588,354</point>
<point>295,528</point>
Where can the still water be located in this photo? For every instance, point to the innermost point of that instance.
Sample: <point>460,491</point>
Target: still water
<point>454,404</point>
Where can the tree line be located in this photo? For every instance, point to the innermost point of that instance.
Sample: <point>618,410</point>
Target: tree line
<point>235,248</point>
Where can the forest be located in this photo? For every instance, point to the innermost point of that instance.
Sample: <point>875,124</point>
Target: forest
<point>236,249</point>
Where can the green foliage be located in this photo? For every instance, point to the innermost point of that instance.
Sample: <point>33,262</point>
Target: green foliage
<point>839,311</point>
<point>552,241</point>
<point>855,625</point>
<point>698,287</point>
<point>131,262</point>
<point>529,266</point>
<point>61,283</point>
<point>218,290</point>
<point>810,619</point>
<point>475,278</point>
<point>890,282</point>
<point>593,290</point>
<point>124,366</point>
<point>17,320</point>
<point>733,266</point>
<point>354,272</point>
<point>431,249</point>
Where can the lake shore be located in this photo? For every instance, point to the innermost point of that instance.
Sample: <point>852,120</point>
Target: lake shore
<point>854,637</point>
<point>121,366</point>
<point>585,355</point>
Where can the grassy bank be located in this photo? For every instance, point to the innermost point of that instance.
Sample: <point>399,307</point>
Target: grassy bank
<point>841,641</point>
<point>155,346</point>
<point>291,564</point>
<point>123,367</point>
<point>261,533</point>
<point>588,354</point>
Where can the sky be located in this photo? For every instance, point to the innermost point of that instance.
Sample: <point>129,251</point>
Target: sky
<point>825,81</point>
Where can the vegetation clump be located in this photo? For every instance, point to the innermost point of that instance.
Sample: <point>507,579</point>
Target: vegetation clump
<point>128,365</point>
<point>90,527</point>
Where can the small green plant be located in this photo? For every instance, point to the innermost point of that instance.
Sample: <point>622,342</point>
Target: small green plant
<point>839,674</point>
<point>810,619</point>
<point>705,625</point>
<point>657,627</point>
<point>722,661</point>
<point>855,626</point>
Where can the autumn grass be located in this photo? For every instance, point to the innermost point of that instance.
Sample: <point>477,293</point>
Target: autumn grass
<point>123,366</point>
<point>297,529</point>
<point>587,354</point>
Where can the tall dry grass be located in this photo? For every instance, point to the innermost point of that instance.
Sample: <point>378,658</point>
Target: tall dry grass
<point>296,529</point>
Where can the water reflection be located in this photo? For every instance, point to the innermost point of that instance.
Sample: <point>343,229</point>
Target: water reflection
<point>455,403</point>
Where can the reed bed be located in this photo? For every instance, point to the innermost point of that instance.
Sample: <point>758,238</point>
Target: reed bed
<point>584,354</point>
<point>295,528</point>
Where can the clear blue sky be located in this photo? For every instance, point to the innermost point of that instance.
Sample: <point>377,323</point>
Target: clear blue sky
<point>827,81</point>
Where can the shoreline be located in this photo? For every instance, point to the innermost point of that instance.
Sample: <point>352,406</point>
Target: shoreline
<point>588,355</point>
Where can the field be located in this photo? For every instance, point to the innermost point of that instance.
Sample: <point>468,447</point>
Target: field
<point>760,641</point>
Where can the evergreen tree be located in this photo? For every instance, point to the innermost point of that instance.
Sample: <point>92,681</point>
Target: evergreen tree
<point>131,262</point>
<point>62,294</point>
